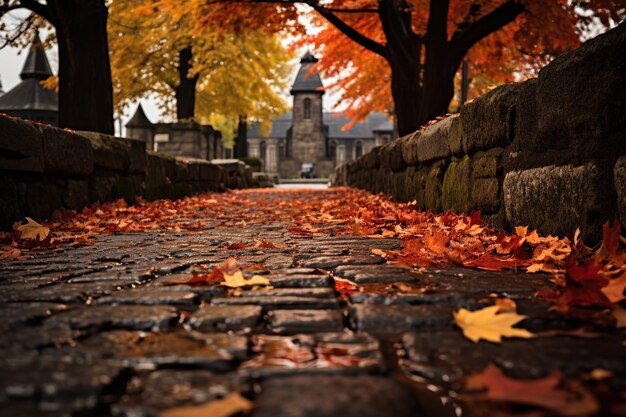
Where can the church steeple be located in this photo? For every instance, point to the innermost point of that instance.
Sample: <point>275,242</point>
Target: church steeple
<point>36,65</point>
<point>306,80</point>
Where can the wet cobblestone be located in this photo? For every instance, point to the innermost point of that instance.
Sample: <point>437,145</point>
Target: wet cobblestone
<point>110,330</point>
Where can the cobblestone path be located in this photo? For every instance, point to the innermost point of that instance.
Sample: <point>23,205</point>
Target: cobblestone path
<point>98,330</point>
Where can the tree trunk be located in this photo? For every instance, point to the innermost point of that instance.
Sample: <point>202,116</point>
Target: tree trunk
<point>241,142</point>
<point>85,87</point>
<point>186,90</point>
<point>406,93</point>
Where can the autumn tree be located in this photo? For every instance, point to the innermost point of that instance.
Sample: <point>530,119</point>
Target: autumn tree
<point>85,89</point>
<point>415,47</point>
<point>213,73</point>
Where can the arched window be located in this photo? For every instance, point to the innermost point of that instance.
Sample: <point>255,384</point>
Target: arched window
<point>331,151</point>
<point>307,108</point>
<point>358,149</point>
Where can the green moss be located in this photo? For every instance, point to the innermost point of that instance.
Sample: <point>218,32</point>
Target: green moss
<point>456,186</point>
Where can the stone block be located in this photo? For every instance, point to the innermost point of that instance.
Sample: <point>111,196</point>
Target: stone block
<point>455,136</point>
<point>76,195</point>
<point>526,135</point>
<point>371,160</point>
<point>182,171</point>
<point>211,172</point>
<point>21,146</point>
<point>101,188</point>
<point>432,143</point>
<point>456,190</point>
<point>42,198</point>
<point>66,152</point>
<point>558,199</point>
<point>109,153</point>
<point>433,189</point>
<point>12,197</point>
<point>409,148</point>
<point>127,188</point>
<point>486,195</point>
<point>137,155</point>
<point>489,121</point>
<point>391,156</point>
<point>580,94</point>
<point>487,164</point>
<point>619,180</point>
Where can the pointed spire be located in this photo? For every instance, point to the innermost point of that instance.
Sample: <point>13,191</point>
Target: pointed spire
<point>139,119</point>
<point>308,58</point>
<point>36,65</point>
<point>307,81</point>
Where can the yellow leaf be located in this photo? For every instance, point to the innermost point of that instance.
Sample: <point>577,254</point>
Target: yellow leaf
<point>32,230</point>
<point>615,290</point>
<point>225,407</point>
<point>237,280</point>
<point>487,324</point>
<point>521,231</point>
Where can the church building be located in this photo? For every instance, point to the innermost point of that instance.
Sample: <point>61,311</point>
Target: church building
<point>29,99</point>
<point>309,137</point>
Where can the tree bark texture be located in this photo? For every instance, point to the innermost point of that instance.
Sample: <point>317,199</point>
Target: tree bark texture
<point>85,87</point>
<point>186,89</point>
<point>241,141</point>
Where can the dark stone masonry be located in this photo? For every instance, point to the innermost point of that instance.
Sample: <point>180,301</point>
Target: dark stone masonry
<point>50,168</point>
<point>100,331</point>
<point>549,152</point>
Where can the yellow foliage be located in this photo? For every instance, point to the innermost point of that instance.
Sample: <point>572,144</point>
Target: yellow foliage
<point>240,71</point>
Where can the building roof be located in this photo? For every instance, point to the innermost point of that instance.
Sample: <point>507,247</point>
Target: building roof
<point>36,65</point>
<point>364,129</point>
<point>375,122</point>
<point>139,119</point>
<point>29,94</point>
<point>279,129</point>
<point>306,80</point>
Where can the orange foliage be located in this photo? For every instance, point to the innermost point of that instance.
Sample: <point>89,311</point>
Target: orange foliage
<point>515,52</point>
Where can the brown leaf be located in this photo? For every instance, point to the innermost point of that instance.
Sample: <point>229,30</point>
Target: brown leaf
<point>614,291</point>
<point>226,407</point>
<point>542,392</point>
<point>32,230</point>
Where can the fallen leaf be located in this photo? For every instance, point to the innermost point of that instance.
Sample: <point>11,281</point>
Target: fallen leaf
<point>229,266</point>
<point>487,324</point>
<point>505,305</point>
<point>379,252</point>
<point>32,230</point>
<point>599,374</point>
<point>215,275</point>
<point>226,407</point>
<point>237,280</point>
<point>542,392</point>
<point>521,231</point>
<point>614,291</point>
<point>610,237</point>
<point>620,317</point>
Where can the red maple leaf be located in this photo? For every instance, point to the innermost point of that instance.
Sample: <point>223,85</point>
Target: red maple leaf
<point>610,237</point>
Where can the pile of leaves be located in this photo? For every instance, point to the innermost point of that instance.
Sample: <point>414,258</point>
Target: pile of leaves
<point>583,276</point>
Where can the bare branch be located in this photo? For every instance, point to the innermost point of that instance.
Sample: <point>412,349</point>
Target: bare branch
<point>462,41</point>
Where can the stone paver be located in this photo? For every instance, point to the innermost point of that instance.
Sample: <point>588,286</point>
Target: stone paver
<point>109,330</point>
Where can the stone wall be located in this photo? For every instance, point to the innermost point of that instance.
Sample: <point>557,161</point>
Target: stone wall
<point>549,152</point>
<point>44,168</point>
